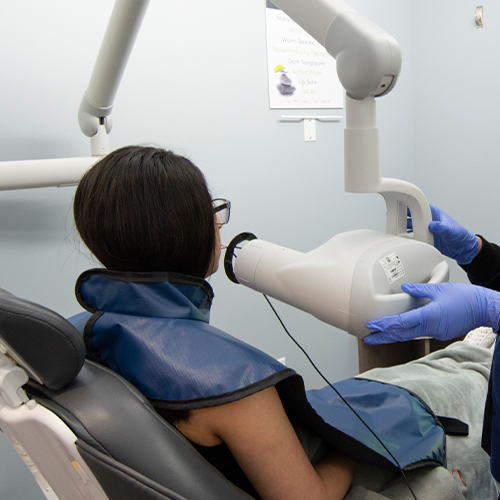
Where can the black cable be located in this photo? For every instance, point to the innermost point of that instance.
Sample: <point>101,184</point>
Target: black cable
<point>340,396</point>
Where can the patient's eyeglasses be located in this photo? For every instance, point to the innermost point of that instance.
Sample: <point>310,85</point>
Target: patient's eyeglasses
<point>222,209</point>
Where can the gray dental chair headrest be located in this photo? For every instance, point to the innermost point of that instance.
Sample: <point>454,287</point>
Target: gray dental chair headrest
<point>130,449</point>
<point>42,342</point>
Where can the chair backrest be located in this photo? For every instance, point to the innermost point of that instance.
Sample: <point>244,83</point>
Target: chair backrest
<point>89,433</point>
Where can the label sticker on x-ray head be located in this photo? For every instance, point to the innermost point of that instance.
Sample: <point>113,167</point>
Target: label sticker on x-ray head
<point>393,267</point>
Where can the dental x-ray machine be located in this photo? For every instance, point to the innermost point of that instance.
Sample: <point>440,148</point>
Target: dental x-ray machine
<point>356,276</point>
<point>350,279</point>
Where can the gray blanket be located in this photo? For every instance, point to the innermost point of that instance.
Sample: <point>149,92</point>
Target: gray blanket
<point>454,383</point>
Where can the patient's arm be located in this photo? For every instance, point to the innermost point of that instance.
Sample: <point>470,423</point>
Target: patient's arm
<point>261,438</point>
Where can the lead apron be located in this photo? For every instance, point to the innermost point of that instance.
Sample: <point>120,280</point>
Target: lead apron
<point>153,329</point>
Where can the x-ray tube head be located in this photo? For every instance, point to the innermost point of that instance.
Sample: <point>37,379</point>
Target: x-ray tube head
<point>351,279</point>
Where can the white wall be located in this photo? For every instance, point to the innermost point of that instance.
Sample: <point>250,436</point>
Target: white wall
<point>457,104</point>
<point>196,83</point>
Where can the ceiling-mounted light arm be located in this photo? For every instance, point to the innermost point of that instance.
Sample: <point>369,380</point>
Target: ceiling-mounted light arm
<point>94,115</point>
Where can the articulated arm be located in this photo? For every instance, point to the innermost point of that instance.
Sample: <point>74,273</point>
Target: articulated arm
<point>121,33</point>
<point>357,275</point>
<point>368,66</point>
<point>94,115</point>
<point>368,58</point>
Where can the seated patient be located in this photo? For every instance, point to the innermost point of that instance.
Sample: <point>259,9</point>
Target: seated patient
<point>148,211</point>
<point>148,217</point>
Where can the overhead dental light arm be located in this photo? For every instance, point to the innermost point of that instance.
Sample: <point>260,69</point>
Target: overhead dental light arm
<point>94,115</point>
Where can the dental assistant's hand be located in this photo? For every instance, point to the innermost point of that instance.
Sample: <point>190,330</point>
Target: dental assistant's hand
<point>452,239</point>
<point>456,308</point>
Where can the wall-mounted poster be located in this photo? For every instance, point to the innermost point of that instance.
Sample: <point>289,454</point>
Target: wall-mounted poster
<point>301,72</point>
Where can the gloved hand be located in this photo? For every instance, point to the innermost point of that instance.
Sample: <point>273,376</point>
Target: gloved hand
<point>456,308</point>
<point>452,239</point>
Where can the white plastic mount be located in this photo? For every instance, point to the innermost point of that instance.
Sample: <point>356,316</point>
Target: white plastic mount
<point>362,173</point>
<point>368,65</point>
<point>43,441</point>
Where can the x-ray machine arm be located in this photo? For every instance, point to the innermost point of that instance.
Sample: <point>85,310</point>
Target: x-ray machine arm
<point>355,276</point>
<point>94,115</point>
<point>368,65</point>
<point>341,281</point>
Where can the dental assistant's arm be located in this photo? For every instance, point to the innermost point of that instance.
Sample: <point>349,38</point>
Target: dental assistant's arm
<point>452,239</point>
<point>484,270</point>
<point>479,258</point>
<point>455,308</point>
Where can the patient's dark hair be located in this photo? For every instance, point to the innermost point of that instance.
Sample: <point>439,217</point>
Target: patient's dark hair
<point>146,209</point>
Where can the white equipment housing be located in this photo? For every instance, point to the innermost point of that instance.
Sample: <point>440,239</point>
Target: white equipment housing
<point>344,282</point>
<point>351,279</point>
<point>46,445</point>
<point>368,65</point>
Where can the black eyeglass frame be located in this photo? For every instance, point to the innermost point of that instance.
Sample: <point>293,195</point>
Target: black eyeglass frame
<point>221,204</point>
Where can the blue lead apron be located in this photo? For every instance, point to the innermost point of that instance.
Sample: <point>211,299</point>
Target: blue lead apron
<point>153,329</point>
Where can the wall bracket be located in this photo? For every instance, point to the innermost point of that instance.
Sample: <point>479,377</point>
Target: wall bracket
<point>310,123</point>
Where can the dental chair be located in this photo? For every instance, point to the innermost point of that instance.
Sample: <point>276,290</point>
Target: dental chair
<point>84,431</point>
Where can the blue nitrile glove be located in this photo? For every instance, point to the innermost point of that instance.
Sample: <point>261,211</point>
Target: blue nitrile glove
<point>452,239</point>
<point>456,308</point>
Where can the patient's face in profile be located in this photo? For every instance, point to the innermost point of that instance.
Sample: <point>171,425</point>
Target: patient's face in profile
<point>214,266</point>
